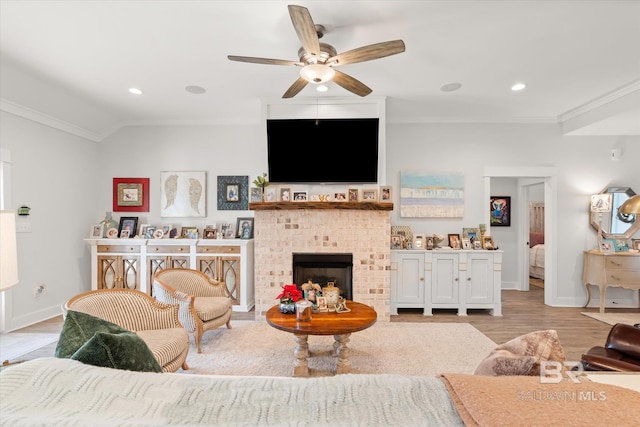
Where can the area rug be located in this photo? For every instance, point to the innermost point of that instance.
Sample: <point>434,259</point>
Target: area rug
<point>255,348</point>
<point>613,318</point>
<point>14,345</point>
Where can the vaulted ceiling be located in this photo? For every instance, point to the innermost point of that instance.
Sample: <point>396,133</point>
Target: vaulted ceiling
<point>74,61</point>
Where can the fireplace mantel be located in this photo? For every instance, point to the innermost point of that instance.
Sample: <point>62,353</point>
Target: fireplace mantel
<point>364,206</point>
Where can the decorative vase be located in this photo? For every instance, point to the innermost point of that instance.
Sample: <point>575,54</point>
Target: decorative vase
<point>108,222</point>
<point>288,307</point>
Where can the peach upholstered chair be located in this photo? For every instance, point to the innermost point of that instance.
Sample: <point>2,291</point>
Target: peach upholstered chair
<point>153,321</point>
<point>204,303</point>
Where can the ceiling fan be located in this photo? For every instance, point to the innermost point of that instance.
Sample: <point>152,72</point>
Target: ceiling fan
<point>319,60</point>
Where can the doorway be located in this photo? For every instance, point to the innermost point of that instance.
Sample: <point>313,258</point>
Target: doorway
<point>525,176</point>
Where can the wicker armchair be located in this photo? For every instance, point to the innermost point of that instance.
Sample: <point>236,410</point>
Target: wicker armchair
<point>155,322</point>
<point>204,303</point>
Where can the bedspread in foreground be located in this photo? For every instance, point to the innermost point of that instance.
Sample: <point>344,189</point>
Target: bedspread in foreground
<point>524,401</point>
<point>51,391</point>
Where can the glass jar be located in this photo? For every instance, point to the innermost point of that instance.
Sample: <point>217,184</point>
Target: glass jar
<point>109,223</point>
<point>303,311</point>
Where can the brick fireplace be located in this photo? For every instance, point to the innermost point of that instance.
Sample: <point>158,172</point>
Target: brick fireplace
<point>285,229</point>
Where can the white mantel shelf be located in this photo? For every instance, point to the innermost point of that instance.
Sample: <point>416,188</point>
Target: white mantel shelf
<point>364,206</point>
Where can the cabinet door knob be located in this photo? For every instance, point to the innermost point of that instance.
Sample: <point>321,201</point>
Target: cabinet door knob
<point>469,279</point>
<point>422,279</point>
<point>456,279</point>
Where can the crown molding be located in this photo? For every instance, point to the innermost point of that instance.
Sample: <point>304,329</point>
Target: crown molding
<point>47,120</point>
<point>600,101</point>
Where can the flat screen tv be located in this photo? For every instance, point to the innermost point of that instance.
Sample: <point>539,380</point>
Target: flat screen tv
<point>323,151</point>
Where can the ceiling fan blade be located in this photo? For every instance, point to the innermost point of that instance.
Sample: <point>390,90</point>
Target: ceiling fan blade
<point>267,61</point>
<point>351,84</point>
<point>305,29</point>
<point>296,87</point>
<point>367,53</point>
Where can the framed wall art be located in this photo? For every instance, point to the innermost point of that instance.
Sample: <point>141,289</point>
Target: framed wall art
<point>233,193</point>
<point>129,224</point>
<point>131,194</point>
<point>244,228</point>
<point>431,195</point>
<point>500,207</point>
<point>183,194</point>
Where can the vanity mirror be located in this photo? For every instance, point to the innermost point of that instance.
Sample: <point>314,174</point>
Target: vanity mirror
<point>614,224</point>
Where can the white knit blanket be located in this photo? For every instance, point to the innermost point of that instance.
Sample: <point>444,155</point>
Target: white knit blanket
<point>63,392</point>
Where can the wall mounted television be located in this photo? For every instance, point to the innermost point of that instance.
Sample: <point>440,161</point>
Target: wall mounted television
<point>323,151</point>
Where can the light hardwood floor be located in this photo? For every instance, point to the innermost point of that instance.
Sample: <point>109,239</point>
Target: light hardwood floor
<point>523,312</point>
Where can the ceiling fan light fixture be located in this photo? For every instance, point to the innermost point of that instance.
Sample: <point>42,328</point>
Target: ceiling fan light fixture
<point>317,73</point>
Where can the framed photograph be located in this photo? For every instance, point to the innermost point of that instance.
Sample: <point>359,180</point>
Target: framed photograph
<point>466,243</point>
<point>270,194</point>
<point>285,194</point>
<point>620,245</point>
<point>340,197</point>
<point>226,230</point>
<point>166,229</point>
<point>129,224</point>
<point>385,193</point>
<point>321,302</point>
<point>635,244</point>
<point>143,228</point>
<point>189,233</point>
<point>183,194</point>
<point>131,194</point>
<point>96,231</point>
<point>352,194</point>
<point>473,234</point>
<point>477,244</point>
<point>607,246</point>
<point>454,241</point>
<point>125,234</point>
<point>396,241</point>
<point>233,193</point>
<point>210,233</point>
<point>158,234</point>
<point>255,195</point>
<point>148,232</point>
<point>299,196</point>
<point>244,228</point>
<point>112,233</point>
<point>418,241</point>
<point>428,245</point>
<point>487,243</point>
<point>369,195</point>
<point>500,207</point>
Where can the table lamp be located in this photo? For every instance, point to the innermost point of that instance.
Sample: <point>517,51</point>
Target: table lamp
<point>600,203</point>
<point>8,250</point>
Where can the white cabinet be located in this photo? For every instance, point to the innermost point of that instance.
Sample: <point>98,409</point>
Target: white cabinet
<point>407,280</point>
<point>131,263</point>
<point>461,279</point>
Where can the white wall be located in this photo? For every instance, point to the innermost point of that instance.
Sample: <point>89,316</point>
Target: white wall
<point>68,183</point>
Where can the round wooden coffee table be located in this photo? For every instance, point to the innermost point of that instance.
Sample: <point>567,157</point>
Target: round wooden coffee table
<point>340,325</point>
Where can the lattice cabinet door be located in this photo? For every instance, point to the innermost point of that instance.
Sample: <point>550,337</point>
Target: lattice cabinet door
<point>225,268</point>
<point>117,272</point>
<point>158,262</point>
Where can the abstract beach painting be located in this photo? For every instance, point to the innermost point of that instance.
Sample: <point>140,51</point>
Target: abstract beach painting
<point>431,195</point>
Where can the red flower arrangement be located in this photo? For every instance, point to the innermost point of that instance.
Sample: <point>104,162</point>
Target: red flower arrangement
<point>289,294</point>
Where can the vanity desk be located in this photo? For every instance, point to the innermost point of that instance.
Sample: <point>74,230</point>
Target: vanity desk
<point>619,269</point>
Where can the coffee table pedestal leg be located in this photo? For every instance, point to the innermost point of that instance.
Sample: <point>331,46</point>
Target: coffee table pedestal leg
<point>343,365</point>
<point>301,367</point>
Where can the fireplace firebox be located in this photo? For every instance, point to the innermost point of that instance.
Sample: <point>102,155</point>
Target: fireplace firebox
<point>322,268</point>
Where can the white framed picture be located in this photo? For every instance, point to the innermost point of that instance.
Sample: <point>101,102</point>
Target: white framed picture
<point>270,194</point>
<point>96,231</point>
<point>255,194</point>
<point>183,194</point>
<point>285,194</point>
<point>385,193</point>
<point>369,195</point>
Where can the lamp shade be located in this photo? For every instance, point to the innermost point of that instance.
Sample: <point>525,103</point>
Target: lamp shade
<point>630,206</point>
<point>8,250</point>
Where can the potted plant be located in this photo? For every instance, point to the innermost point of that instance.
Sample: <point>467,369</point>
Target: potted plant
<point>261,182</point>
<point>288,297</point>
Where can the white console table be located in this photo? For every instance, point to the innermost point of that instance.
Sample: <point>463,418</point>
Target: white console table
<point>459,279</point>
<point>131,263</point>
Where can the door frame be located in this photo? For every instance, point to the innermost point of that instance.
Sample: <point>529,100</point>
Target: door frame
<point>546,174</point>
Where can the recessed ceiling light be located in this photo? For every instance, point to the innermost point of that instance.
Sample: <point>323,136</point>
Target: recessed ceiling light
<point>195,89</point>
<point>518,86</point>
<point>322,88</point>
<point>135,91</point>
<point>450,87</point>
